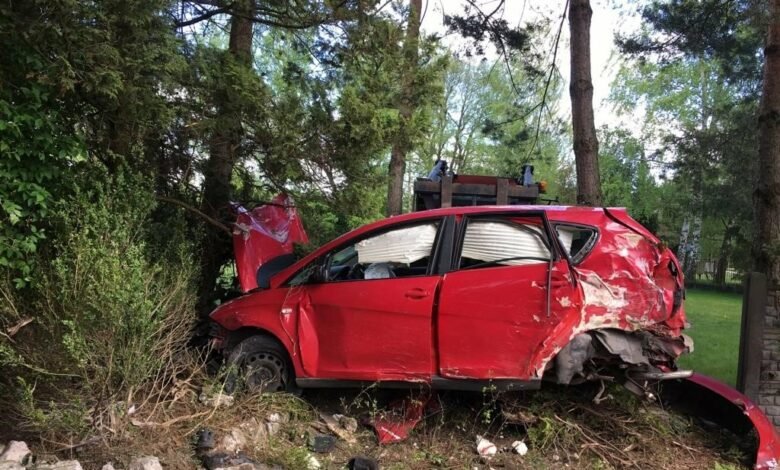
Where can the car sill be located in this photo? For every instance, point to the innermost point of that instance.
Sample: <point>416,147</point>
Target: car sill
<point>437,383</point>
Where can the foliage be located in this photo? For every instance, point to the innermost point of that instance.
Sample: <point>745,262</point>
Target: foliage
<point>111,318</point>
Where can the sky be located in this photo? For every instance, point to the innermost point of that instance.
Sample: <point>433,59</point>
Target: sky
<point>608,18</point>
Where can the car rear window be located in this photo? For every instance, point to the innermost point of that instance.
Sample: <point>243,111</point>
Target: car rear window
<point>577,240</point>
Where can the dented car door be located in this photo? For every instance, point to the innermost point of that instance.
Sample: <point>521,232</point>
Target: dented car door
<point>504,296</point>
<point>370,317</point>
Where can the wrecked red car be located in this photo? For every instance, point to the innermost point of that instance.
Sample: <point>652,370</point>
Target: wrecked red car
<point>506,297</point>
<point>459,298</point>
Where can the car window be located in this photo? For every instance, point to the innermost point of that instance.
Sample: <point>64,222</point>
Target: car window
<point>577,240</point>
<point>401,252</point>
<point>503,243</point>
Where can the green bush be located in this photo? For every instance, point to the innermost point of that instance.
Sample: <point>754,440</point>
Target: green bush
<point>109,318</point>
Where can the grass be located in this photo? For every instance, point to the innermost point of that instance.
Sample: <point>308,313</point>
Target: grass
<point>715,319</point>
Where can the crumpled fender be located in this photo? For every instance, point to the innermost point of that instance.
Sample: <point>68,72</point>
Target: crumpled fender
<point>710,399</point>
<point>264,233</point>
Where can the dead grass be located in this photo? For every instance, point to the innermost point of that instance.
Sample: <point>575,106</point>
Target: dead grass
<point>561,426</point>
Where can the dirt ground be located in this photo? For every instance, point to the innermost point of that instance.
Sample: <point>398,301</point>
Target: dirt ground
<point>562,427</point>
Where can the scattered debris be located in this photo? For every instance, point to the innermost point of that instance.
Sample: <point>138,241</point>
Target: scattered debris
<point>205,441</point>
<point>362,463</point>
<point>322,443</point>
<point>312,463</point>
<point>145,463</point>
<point>519,447</point>
<point>216,400</point>
<point>346,422</point>
<point>16,451</point>
<point>339,427</point>
<point>61,465</point>
<point>274,422</point>
<point>395,424</point>
<point>10,465</point>
<point>485,448</point>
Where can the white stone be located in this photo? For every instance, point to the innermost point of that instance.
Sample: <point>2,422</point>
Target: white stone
<point>519,448</point>
<point>216,400</point>
<point>145,463</point>
<point>61,465</point>
<point>313,463</point>
<point>233,441</point>
<point>10,465</point>
<point>16,451</point>
<point>108,466</point>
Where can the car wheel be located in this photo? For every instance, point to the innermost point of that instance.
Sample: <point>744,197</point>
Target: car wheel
<point>261,364</point>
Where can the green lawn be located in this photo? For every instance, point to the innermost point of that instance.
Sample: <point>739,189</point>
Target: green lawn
<point>715,323</point>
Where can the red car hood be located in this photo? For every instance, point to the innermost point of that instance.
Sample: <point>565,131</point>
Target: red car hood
<point>263,234</point>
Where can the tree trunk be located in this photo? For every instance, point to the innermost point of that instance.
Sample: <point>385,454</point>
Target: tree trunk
<point>725,253</point>
<point>766,203</point>
<point>694,248</point>
<point>682,247</point>
<point>586,145</point>
<point>402,143</point>
<point>223,147</point>
<point>766,198</point>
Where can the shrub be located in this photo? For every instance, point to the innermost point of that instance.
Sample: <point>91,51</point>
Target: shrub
<point>109,321</point>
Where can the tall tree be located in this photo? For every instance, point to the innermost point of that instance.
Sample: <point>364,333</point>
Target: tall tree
<point>586,144</point>
<point>766,197</point>
<point>225,143</point>
<point>406,105</point>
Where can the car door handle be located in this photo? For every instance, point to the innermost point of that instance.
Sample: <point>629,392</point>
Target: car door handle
<point>417,294</point>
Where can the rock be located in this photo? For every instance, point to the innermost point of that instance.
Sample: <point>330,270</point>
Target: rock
<point>10,465</point>
<point>312,463</point>
<point>216,400</point>
<point>61,465</point>
<point>16,451</point>
<point>145,463</point>
<point>108,466</point>
<point>233,441</point>
<point>274,421</point>
<point>346,422</point>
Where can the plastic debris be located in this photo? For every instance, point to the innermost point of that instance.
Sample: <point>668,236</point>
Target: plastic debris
<point>485,448</point>
<point>395,424</point>
<point>519,447</point>
<point>322,443</point>
<point>362,463</point>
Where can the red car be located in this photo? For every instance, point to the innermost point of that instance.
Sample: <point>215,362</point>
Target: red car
<point>468,297</point>
<point>457,298</point>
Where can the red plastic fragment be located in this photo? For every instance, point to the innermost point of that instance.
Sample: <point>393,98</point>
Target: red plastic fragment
<point>395,423</point>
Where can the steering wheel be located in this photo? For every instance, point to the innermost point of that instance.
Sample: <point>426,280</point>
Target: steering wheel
<point>356,271</point>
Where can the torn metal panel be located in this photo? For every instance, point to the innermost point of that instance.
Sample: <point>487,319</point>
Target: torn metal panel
<point>263,234</point>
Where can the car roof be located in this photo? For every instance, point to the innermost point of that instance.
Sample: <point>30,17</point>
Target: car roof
<point>571,212</point>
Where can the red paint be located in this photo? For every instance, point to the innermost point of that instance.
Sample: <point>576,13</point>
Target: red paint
<point>489,322</point>
<point>262,234</point>
<point>395,423</point>
<point>768,451</point>
<point>372,328</point>
<point>492,320</point>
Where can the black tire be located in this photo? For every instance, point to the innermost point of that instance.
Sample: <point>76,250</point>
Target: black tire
<point>260,364</point>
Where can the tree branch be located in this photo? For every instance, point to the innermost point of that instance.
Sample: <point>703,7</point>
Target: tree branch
<point>195,211</point>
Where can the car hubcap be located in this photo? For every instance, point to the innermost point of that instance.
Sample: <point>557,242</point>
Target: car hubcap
<point>264,372</point>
